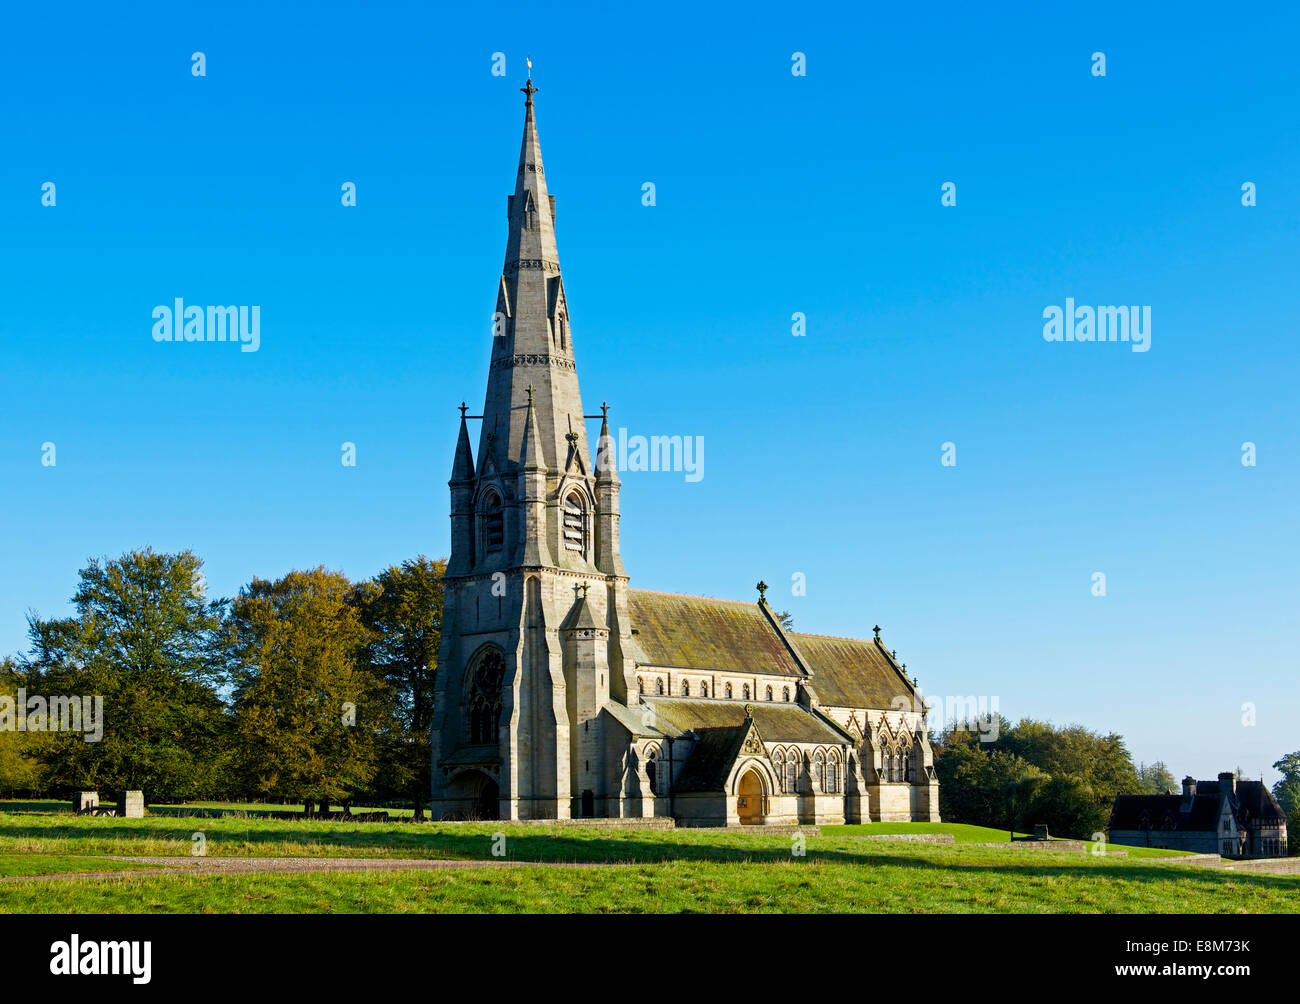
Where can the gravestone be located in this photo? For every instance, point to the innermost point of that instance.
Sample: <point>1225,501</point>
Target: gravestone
<point>1040,832</point>
<point>85,801</point>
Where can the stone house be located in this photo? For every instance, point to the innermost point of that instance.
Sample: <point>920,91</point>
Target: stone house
<point>1235,819</point>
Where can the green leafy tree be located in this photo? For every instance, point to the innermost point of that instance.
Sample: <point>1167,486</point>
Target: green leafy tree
<point>1076,775</point>
<point>1287,793</point>
<point>1017,781</point>
<point>145,639</point>
<point>18,768</point>
<point>1287,790</point>
<point>403,612</point>
<point>1155,779</point>
<point>307,712</point>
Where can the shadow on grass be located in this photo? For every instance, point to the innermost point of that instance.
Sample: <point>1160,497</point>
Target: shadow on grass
<point>529,845</point>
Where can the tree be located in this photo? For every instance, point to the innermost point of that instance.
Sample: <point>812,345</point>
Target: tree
<point>404,615</point>
<point>1076,775</point>
<point>1155,779</point>
<point>1017,781</point>
<point>786,619</point>
<point>306,710</point>
<point>18,771</point>
<point>144,639</point>
<point>1287,790</point>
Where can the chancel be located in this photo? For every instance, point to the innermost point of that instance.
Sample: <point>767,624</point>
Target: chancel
<point>561,692</point>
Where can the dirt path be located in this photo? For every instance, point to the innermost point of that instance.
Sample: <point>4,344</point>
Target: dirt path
<point>245,866</point>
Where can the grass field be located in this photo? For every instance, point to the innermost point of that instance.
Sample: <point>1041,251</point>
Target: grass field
<point>630,870</point>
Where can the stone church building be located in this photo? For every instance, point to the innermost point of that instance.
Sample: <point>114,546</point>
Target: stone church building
<point>561,692</point>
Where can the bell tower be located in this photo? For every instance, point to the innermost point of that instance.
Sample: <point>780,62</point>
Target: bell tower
<point>535,586</point>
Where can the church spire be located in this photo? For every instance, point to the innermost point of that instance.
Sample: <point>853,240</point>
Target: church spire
<point>533,343</point>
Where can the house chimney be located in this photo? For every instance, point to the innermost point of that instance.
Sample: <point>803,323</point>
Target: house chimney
<point>1228,783</point>
<point>1189,785</point>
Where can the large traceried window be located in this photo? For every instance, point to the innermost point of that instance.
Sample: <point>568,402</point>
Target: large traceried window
<point>575,523</point>
<point>833,773</point>
<point>483,697</point>
<point>819,769</point>
<point>792,771</point>
<point>494,524</point>
<point>778,763</point>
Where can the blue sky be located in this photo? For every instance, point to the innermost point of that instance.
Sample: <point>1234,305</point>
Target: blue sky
<point>776,194</point>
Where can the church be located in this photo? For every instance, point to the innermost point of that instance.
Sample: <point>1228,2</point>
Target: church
<point>562,693</point>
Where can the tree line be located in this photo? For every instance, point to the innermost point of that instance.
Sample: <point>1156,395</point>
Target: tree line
<point>310,688</point>
<point>1065,777</point>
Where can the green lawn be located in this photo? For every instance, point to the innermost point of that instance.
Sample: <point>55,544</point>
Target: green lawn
<point>58,864</point>
<point>892,884</point>
<point>668,871</point>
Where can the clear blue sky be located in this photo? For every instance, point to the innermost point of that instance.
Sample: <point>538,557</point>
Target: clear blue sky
<point>775,194</point>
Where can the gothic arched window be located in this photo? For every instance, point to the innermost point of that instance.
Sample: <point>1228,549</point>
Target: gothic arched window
<point>659,687</point>
<point>769,693</point>
<point>686,689</point>
<point>704,690</point>
<point>833,773</point>
<point>819,769</point>
<point>785,693</point>
<point>494,523</point>
<point>792,772</point>
<point>745,691</point>
<point>575,523</point>
<point>728,691</point>
<point>652,770</point>
<point>778,763</point>
<point>483,697</point>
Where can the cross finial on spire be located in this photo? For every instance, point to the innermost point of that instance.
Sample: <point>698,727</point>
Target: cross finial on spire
<point>528,89</point>
<point>762,590</point>
<point>463,408</point>
<point>877,630</point>
<point>530,395</point>
<point>604,410</point>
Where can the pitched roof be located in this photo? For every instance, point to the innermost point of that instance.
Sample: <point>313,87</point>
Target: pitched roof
<point>777,722</point>
<point>692,632</point>
<point>850,672</point>
<point>710,760</point>
<point>1165,812</point>
<point>1256,799</point>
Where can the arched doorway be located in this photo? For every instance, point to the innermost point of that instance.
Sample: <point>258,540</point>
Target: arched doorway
<point>472,794</point>
<point>749,798</point>
<point>488,805</point>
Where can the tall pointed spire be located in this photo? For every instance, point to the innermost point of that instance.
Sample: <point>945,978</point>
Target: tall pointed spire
<point>534,343</point>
